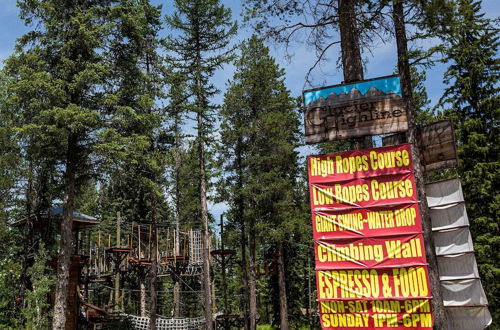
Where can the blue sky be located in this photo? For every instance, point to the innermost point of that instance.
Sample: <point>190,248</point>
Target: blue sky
<point>380,62</point>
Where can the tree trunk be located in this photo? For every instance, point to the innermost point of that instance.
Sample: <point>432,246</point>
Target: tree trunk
<point>404,72</point>
<point>177,284</point>
<point>252,278</point>
<point>244,263</point>
<point>349,42</point>
<point>352,63</point>
<point>142,296</point>
<point>154,266</point>
<point>207,291</point>
<point>284,325</point>
<point>64,259</point>
<point>117,264</point>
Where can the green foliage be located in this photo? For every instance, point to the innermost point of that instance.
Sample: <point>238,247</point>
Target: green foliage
<point>36,311</point>
<point>260,117</point>
<point>10,271</point>
<point>474,100</point>
<point>259,140</point>
<point>205,29</point>
<point>131,145</point>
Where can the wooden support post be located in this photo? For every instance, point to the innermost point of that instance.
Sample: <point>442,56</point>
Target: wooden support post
<point>149,243</point>
<point>175,244</point>
<point>117,263</point>
<point>132,234</point>
<point>405,74</point>
<point>168,239</point>
<point>184,245</point>
<point>118,229</point>
<point>139,245</point>
<point>191,252</point>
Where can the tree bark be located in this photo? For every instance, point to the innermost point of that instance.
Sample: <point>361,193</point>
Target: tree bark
<point>284,325</point>
<point>352,62</point>
<point>177,284</point>
<point>349,42</point>
<point>404,72</point>
<point>117,265</point>
<point>63,263</point>
<point>241,219</point>
<point>154,266</point>
<point>207,291</point>
<point>177,298</point>
<point>142,296</point>
<point>252,278</point>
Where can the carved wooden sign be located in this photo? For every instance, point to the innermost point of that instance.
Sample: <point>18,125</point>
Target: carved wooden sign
<point>369,107</point>
<point>437,145</point>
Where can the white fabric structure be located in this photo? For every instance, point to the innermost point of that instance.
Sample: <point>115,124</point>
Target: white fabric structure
<point>449,216</point>
<point>445,192</point>
<point>468,318</point>
<point>162,323</point>
<point>456,267</point>
<point>453,241</point>
<point>463,295</point>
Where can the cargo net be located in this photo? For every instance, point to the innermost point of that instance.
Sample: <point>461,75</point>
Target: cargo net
<point>162,323</point>
<point>193,245</point>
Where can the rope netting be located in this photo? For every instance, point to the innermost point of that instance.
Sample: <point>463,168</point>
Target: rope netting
<point>186,244</point>
<point>162,323</point>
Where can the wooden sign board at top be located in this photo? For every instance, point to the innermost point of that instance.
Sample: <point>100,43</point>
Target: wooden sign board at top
<point>437,145</point>
<point>369,107</point>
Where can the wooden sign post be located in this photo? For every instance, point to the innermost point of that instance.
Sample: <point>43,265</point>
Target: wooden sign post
<point>437,145</point>
<point>369,107</point>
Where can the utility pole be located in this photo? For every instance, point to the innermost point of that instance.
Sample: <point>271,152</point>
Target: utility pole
<point>404,72</point>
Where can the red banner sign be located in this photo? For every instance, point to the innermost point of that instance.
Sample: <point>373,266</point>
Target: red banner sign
<point>364,192</point>
<point>366,222</point>
<point>368,284</point>
<point>360,164</point>
<point>376,314</point>
<point>370,252</point>
<point>370,256</point>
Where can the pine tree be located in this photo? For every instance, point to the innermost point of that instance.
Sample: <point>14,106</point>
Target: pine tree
<point>134,143</point>
<point>474,105</point>
<point>10,268</point>
<point>206,29</point>
<point>260,134</point>
<point>37,307</point>
<point>56,72</point>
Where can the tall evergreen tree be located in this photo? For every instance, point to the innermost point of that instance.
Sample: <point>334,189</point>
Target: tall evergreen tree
<point>10,267</point>
<point>473,97</point>
<point>260,134</point>
<point>64,59</point>
<point>134,143</point>
<point>206,29</point>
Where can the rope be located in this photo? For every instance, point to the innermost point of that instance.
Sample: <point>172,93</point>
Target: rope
<point>162,323</point>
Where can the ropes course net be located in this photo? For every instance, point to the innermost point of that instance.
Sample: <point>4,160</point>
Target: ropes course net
<point>162,323</point>
<point>185,247</point>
